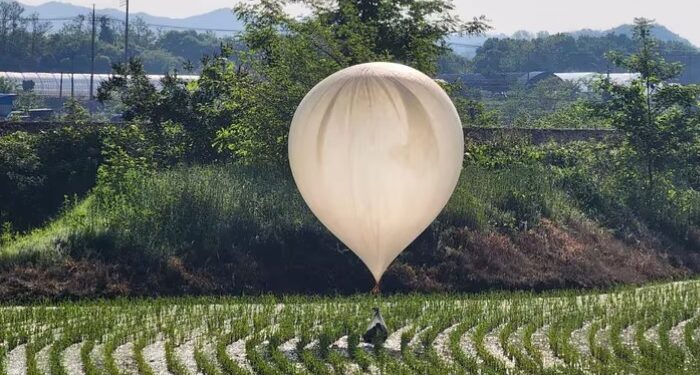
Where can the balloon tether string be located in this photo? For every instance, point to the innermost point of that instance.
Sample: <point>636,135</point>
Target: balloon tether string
<point>376,291</point>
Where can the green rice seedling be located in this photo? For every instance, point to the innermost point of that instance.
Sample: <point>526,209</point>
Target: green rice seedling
<point>141,364</point>
<point>467,363</point>
<point>490,364</point>
<point>3,359</point>
<point>57,348</point>
<point>205,364</point>
<point>108,352</point>
<point>89,367</point>
<point>174,365</point>
<point>310,325</point>
<point>533,353</point>
<point>258,362</point>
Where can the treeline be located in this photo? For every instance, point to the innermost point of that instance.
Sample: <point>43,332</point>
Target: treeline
<point>567,53</point>
<point>28,43</point>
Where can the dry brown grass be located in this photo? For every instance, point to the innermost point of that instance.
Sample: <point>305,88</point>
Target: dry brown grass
<point>578,255</point>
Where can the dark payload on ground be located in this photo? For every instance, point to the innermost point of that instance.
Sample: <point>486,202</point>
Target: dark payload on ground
<point>377,332</point>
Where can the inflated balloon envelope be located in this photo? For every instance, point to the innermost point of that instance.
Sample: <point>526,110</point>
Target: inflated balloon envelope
<point>376,151</point>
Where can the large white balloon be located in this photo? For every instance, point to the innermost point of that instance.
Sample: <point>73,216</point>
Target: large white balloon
<point>376,151</point>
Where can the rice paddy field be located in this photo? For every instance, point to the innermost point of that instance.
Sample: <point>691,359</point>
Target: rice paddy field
<point>649,330</point>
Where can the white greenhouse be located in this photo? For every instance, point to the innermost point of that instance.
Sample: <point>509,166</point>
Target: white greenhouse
<point>69,84</point>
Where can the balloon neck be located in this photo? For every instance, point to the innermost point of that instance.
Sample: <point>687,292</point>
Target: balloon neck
<point>376,291</point>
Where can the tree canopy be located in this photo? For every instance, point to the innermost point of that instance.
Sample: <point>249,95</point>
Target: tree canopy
<point>567,53</point>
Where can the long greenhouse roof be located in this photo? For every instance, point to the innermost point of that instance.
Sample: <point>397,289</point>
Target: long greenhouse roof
<point>71,84</point>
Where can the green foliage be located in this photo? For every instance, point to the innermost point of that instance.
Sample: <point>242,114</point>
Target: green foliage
<point>244,101</point>
<point>28,99</point>
<point>310,49</point>
<point>503,152</point>
<point>7,86</point>
<point>133,90</point>
<point>472,111</point>
<point>549,104</point>
<point>230,213</point>
<point>38,172</point>
<point>568,53</point>
<point>580,114</point>
<point>74,112</point>
<point>660,123</point>
<point>526,105</point>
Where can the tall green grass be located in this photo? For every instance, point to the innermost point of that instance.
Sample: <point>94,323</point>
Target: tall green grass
<point>212,210</point>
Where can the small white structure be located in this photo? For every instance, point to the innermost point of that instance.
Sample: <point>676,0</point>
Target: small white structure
<point>71,84</point>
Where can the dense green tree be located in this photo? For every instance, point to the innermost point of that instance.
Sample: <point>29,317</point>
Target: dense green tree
<point>74,112</point>
<point>223,95</point>
<point>288,56</point>
<point>452,63</point>
<point>245,98</point>
<point>564,53</point>
<point>131,87</point>
<point>188,45</point>
<point>660,121</point>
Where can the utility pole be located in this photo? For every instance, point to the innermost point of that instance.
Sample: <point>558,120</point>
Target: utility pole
<point>92,58</point>
<point>126,34</point>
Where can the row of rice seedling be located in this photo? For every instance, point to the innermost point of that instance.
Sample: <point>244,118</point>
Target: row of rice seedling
<point>649,330</point>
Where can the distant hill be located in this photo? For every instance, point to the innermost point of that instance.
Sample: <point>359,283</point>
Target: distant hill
<point>660,32</point>
<point>224,19</point>
<point>220,19</point>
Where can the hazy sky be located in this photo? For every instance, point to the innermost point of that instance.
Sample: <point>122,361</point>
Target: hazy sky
<point>507,15</point>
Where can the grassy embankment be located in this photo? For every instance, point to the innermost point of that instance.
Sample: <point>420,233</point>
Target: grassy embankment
<point>222,228</point>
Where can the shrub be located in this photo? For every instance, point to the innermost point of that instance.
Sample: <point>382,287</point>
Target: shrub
<point>38,172</point>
